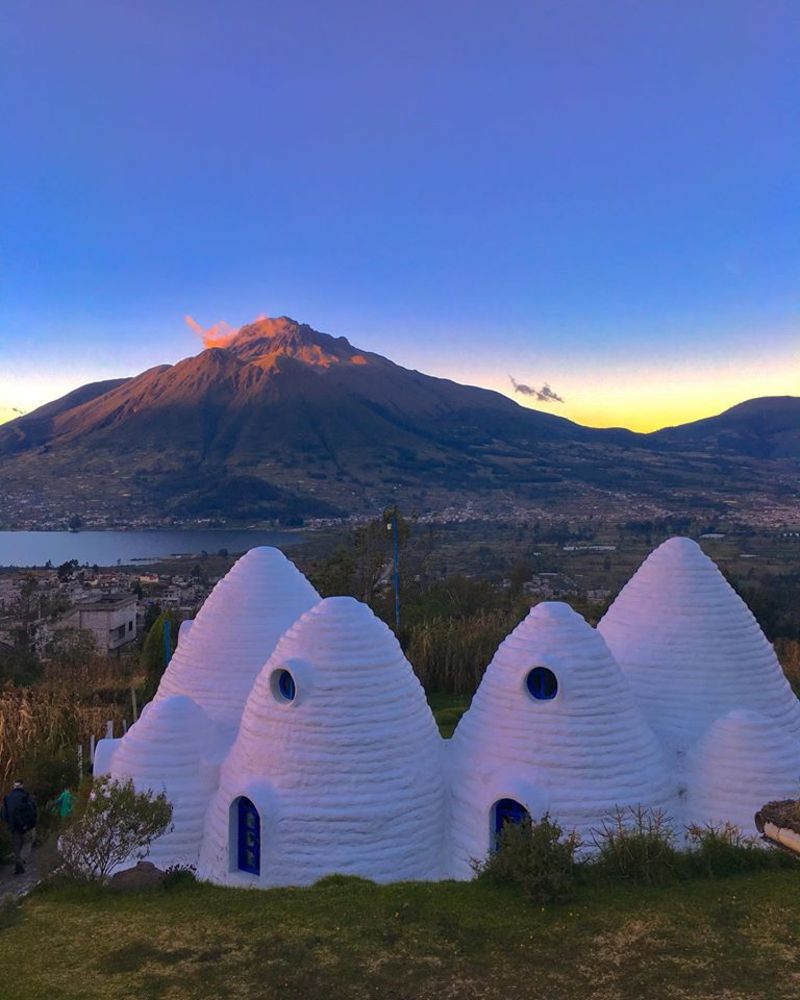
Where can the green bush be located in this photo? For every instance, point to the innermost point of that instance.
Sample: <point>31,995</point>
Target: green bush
<point>115,825</point>
<point>179,877</point>
<point>535,856</point>
<point>725,850</point>
<point>636,844</point>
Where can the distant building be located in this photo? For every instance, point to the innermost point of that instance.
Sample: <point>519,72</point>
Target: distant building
<point>111,618</point>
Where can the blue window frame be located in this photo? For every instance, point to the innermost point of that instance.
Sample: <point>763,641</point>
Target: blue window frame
<point>248,854</point>
<point>507,811</point>
<point>542,684</point>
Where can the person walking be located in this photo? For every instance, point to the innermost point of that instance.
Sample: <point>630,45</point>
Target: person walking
<point>19,811</point>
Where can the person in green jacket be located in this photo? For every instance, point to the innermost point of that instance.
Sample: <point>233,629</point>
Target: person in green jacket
<point>63,804</point>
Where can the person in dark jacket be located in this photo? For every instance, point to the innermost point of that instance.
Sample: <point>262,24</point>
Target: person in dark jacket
<point>19,811</point>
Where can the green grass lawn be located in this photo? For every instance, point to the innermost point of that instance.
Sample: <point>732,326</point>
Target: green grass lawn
<point>737,937</point>
<point>447,710</point>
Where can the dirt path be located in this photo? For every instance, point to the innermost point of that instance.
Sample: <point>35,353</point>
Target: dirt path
<point>40,863</point>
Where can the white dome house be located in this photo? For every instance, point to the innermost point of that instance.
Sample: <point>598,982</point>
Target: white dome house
<point>164,751</point>
<point>552,728</point>
<point>220,654</point>
<point>691,649</point>
<point>741,763</point>
<point>337,764</point>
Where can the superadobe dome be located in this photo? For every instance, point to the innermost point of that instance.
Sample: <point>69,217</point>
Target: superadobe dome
<point>691,649</point>
<point>552,728</point>
<point>219,656</point>
<point>336,766</point>
<point>740,764</point>
<point>164,751</point>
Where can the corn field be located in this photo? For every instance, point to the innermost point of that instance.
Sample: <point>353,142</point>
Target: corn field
<point>788,652</point>
<point>68,707</point>
<point>451,654</point>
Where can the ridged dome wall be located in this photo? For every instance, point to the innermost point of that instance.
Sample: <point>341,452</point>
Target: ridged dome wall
<point>164,751</point>
<point>219,656</point>
<point>347,775</point>
<point>742,762</point>
<point>691,649</point>
<point>575,755</point>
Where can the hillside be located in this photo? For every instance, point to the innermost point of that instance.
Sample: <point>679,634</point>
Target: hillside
<point>283,422</point>
<point>761,428</point>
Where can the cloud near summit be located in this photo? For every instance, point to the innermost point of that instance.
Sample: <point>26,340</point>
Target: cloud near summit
<point>543,395</point>
<point>218,335</point>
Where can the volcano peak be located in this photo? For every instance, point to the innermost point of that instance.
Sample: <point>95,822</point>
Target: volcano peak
<point>268,338</point>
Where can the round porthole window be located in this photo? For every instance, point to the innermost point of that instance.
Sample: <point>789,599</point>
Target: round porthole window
<point>283,685</point>
<point>542,684</point>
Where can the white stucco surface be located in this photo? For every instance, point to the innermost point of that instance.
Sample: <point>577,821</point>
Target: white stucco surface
<point>691,649</point>
<point>219,656</point>
<point>165,751</point>
<point>576,756</point>
<point>347,776</point>
<point>740,764</point>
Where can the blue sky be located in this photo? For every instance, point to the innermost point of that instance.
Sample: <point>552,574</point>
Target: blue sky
<point>602,196</point>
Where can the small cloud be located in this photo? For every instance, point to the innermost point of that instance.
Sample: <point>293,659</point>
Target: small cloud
<point>218,335</point>
<point>543,395</point>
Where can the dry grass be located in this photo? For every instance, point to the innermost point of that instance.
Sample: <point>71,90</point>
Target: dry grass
<point>451,654</point>
<point>788,652</point>
<point>68,706</point>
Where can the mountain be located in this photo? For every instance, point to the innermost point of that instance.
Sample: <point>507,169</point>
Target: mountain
<point>38,427</point>
<point>280,421</point>
<point>768,427</point>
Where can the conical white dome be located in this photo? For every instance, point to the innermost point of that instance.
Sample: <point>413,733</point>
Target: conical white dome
<point>576,751</point>
<point>164,751</point>
<point>691,649</point>
<point>740,764</point>
<point>341,760</point>
<point>218,658</point>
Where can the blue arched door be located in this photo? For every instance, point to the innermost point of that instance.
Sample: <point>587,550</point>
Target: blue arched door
<point>507,811</point>
<point>248,828</point>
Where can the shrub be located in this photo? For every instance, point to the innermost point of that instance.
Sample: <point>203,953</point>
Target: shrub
<point>725,850</point>
<point>179,877</point>
<point>636,844</point>
<point>115,824</point>
<point>535,856</point>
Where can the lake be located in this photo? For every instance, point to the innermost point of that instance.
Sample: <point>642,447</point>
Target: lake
<point>108,548</point>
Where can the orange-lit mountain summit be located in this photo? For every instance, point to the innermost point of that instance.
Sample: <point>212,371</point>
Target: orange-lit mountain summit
<point>279,422</point>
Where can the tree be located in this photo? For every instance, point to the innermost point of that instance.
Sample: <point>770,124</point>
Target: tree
<point>153,660</point>
<point>116,825</point>
<point>67,570</point>
<point>19,664</point>
<point>71,647</point>
<point>362,567</point>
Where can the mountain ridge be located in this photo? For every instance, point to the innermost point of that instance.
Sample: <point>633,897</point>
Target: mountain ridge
<point>279,421</point>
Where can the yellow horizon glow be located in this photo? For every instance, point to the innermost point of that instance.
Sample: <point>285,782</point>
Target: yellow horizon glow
<point>648,399</point>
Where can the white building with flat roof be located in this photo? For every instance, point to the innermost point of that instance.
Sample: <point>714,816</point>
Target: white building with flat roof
<point>110,617</point>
